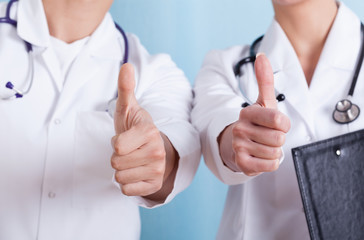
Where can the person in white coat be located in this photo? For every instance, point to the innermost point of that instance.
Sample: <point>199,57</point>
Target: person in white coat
<point>309,54</point>
<point>71,168</point>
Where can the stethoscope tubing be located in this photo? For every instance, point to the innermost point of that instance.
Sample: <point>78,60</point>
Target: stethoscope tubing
<point>339,116</point>
<point>29,49</point>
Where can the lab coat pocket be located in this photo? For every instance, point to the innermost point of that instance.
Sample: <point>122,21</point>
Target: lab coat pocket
<point>92,177</point>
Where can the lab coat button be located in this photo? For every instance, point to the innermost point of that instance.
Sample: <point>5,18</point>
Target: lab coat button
<point>57,121</point>
<point>51,195</point>
<point>308,138</point>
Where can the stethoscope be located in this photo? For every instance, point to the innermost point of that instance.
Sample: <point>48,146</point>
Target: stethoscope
<point>345,111</point>
<point>29,49</point>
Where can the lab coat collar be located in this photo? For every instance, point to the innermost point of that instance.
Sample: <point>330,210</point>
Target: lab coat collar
<point>32,23</point>
<point>277,48</point>
<point>340,47</point>
<point>106,42</point>
<point>289,78</point>
<point>33,28</point>
<point>340,52</point>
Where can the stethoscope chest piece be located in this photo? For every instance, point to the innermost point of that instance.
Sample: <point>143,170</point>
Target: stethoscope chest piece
<point>346,112</point>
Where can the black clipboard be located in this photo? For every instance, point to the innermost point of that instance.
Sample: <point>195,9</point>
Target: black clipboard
<point>330,176</point>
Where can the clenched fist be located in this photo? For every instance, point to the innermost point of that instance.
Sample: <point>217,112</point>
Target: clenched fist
<point>140,150</point>
<point>253,143</point>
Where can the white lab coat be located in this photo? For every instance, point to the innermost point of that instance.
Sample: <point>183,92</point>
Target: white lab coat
<point>56,181</point>
<point>269,206</point>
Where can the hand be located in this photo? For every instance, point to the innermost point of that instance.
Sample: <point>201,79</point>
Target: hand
<point>257,137</point>
<point>139,157</point>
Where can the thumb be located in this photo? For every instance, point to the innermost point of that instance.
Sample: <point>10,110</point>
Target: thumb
<point>264,73</point>
<point>126,85</point>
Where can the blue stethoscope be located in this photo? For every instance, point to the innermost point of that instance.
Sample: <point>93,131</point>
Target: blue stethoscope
<point>345,111</point>
<point>29,49</point>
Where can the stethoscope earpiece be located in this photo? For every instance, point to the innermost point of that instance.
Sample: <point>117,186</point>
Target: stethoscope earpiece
<point>345,111</point>
<point>18,93</point>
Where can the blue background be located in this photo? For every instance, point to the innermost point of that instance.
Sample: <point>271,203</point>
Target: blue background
<point>187,30</point>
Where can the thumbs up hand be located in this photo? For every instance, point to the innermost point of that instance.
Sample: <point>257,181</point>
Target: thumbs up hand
<point>257,137</point>
<point>139,157</point>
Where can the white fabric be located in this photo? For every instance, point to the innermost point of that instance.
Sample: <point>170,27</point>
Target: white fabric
<point>66,52</point>
<point>55,173</point>
<point>269,206</point>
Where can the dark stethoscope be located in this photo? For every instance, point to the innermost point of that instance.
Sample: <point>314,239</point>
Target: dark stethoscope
<point>345,111</point>
<point>29,49</point>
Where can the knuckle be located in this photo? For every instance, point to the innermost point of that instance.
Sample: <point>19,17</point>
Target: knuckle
<point>236,145</point>
<point>159,170</point>
<point>119,178</point>
<point>237,129</point>
<point>119,149</point>
<point>240,130</point>
<point>248,112</point>
<point>158,153</point>
<point>277,119</point>
<point>151,131</point>
<point>114,163</point>
<point>126,191</point>
<point>243,113</point>
<point>240,156</point>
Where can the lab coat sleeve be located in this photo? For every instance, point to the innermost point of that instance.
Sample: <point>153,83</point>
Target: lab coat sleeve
<point>217,104</point>
<point>163,90</point>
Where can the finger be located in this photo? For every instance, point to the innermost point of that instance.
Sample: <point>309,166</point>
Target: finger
<point>134,138</point>
<point>265,79</point>
<point>126,85</point>
<point>263,135</point>
<point>133,160</point>
<point>141,188</point>
<point>258,150</point>
<point>266,117</point>
<point>138,174</point>
<point>268,137</point>
<point>148,154</point>
<point>252,166</point>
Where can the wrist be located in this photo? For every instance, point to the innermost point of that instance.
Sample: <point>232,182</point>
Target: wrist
<point>226,151</point>
<point>171,165</point>
<point>171,158</point>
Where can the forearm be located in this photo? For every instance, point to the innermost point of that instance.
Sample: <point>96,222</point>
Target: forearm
<point>171,167</point>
